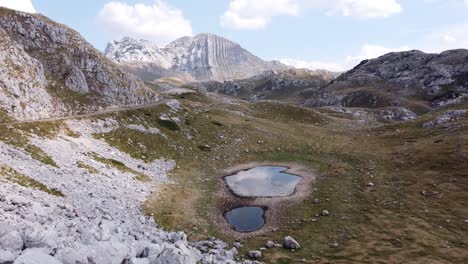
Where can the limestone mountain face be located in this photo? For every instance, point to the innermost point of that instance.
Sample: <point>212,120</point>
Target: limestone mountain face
<point>48,70</point>
<point>203,57</point>
<point>413,79</point>
<point>271,85</point>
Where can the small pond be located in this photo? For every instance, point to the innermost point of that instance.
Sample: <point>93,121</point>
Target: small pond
<point>246,219</point>
<point>263,181</point>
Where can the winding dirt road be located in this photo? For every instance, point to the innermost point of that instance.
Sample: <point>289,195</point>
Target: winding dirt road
<point>108,111</point>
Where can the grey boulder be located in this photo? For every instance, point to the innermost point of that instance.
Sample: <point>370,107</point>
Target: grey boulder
<point>36,256</point>
<point>6,257</point>
<point>255,254</point>
<point>290,243</point>
<point>10,239</point>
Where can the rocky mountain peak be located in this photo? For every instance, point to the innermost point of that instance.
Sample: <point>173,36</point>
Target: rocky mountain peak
<point>204,57</point>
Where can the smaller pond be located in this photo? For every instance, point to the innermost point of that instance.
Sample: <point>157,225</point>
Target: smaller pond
<point>263,181</point>
<point>246,219</point>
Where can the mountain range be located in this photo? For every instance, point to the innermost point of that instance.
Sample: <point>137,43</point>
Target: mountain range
<point>201,58</point>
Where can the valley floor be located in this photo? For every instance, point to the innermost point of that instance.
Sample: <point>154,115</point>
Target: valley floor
<point>396,192</point>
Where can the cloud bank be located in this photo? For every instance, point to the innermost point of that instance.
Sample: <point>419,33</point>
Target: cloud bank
<point>20,5</point>
<point>367,51</point>
<point>253,15</point>
<point>158,22</point>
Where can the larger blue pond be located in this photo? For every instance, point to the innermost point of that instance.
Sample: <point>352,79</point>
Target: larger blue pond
<point>263,181</point>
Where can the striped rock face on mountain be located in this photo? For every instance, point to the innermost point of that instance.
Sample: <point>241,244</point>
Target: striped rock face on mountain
<point>203,57</point>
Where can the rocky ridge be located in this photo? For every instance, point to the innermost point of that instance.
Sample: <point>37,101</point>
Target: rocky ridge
<point>413,79</point>
<point>203,57</point>
<point>49,70</point>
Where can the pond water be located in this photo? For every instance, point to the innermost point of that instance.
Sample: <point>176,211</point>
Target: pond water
<point>246,219</point>
<point>263,181</point>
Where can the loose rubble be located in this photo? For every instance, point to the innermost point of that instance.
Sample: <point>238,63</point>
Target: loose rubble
<point>99,219</point>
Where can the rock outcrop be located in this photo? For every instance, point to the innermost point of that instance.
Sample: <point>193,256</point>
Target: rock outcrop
<point>203,57</point>
<point>412,79</point>
<point>49,70</point>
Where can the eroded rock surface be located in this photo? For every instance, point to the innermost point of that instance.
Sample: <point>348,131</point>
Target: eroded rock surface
<point>49,70</point>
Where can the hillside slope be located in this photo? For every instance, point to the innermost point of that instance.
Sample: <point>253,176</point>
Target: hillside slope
<point>49,70</point>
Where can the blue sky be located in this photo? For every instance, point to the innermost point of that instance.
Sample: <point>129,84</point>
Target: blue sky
<point>333,34</point>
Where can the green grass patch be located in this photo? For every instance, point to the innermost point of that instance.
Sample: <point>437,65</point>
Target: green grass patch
<point>169,124</point>
<point>90,169</point>
<point>121,166</point>
<point>12,175</point>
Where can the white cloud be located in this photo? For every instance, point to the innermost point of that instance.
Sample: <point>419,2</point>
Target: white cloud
<point>466,3</point>
<point>452,37</point>
<point>157,22</point>
<point>365,8</point>
<point>249,14</point>
<point>367,52</point>
<point>20,5</point>
<point>313,65</point>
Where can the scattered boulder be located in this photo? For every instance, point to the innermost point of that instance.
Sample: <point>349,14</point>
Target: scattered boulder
<point>6,257</point>
<point>325,213</point>
<point>270,244</point>
<point>316,201</point>
<point>334,244</point>
<point>10,239</point>
<point>71,256</point>
<point>238,245</point>
<point>290,243</point>
<point>173,256</point>
<point>36,256</point>
<point>40,238</point>
<point>255,254</point>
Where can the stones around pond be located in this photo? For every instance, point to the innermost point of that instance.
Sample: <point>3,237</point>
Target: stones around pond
<point>270,244</point>
<point>255,254</point>
<point>238,245</point>
<point>290,243</point>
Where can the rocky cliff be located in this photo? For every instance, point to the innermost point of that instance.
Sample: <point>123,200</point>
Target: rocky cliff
<point>413,79</point>
<point>203,57</point>
<point>49,70</point>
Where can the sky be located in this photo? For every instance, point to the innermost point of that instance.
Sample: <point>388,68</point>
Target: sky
<point>316,34</point>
